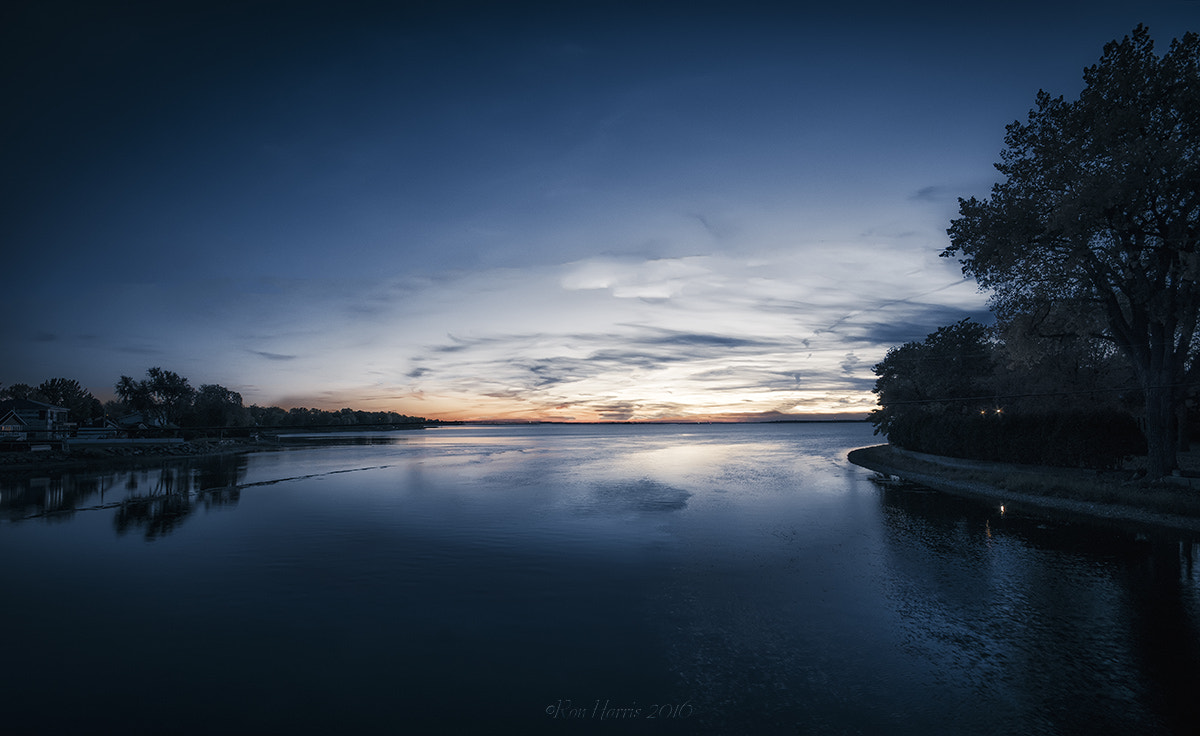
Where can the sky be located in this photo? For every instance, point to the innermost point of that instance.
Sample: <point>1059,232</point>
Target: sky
<point>559,211</point>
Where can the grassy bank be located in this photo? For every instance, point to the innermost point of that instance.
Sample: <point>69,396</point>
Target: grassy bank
<point>1112,495</point>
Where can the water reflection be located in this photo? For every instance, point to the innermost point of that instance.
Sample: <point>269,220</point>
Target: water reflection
<point>644,496</point>
<point>488,573</point>
<point>1027,614</point>
<point>152,498</point>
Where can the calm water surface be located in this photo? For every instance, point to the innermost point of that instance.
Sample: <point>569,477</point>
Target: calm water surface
<point>577,579</point>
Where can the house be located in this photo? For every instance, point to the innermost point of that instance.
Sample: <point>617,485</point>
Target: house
<point>146,424</point>
<point>12,428</point>
<point>102,430</point>
<point>41,421</point>
<point>141,420</point>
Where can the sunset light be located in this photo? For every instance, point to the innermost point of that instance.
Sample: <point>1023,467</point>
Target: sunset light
<point>561,368</point>
<point>706,218</point>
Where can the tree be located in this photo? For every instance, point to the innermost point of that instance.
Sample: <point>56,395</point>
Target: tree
<point>21,391</point>
<point>173,394</point>
<point>1101,205</point>
<point>217,406</point>
<point>1059,359</point>
<point>135,395</point>
<point>950,372</point>
<point>163,396</point>
<point>116,408</point>
<point>269,416</point>
<point>77,400</point>
<point>962,393</point>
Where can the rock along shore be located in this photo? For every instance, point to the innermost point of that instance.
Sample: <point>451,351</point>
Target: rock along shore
<point>991,481</point>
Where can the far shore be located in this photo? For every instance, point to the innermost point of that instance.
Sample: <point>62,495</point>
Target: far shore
<point>99,455</point>
<point>1111,496</point>
<point>103,457</point>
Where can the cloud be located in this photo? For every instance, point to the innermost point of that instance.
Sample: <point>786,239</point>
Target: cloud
<point>619,411</point>
<point>730,333</point>
<point>931,194</point>
<point>273,356</point>
<point>665,337</point>
<point>635,372</point>
<point>679,233</point>
<point>140,349</point>
<point>739,335</point>
<point>661,278</point>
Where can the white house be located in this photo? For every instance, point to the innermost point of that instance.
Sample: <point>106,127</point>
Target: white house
<point>12,429</point>
<point>34,420</point>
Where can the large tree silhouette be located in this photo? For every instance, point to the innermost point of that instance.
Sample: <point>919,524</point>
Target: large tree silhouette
<point>75,398</point>
<point>1101,205</point>
<point>163,395</point>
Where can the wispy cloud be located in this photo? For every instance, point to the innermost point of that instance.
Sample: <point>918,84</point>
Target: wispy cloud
<point>273,356</point>
<point>717,335</point>
<point>721,336</point>
<point>569,222</point>
<point>932,194</point>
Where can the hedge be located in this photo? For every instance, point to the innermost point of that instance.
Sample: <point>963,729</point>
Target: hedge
<point>1087,439</point>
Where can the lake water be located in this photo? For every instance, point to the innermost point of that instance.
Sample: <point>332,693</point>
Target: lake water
<point>577,579</point>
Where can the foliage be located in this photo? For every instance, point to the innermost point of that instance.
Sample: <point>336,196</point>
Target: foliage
<point>274,416</point>
<point>1087,439</point>
<point>20,391</point>
<point>1101,206</point>
<point>1053,360</point>
<point>949,372</point>
<point>116,408</point>
<point>963,393</point>
<point>67,393</point>
<point>168,398</point>
<point>164,396</point>
<point>217,406</point>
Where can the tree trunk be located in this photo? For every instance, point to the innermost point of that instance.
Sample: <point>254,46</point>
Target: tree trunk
<point>1161,442</point>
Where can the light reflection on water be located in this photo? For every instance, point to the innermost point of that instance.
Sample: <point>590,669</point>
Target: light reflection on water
<point>473,578</point>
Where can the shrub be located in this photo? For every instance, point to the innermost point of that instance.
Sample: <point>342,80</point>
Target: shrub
<point>1087,439</point>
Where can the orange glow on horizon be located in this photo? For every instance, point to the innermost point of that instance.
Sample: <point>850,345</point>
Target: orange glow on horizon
<point>846,408</point>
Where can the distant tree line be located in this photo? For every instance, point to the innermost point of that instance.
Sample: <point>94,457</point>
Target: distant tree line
<point>273,416</point>
<point>1090,247</point>
<point>165,398</point>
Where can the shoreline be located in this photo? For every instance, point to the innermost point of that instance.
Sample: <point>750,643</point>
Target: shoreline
<point>15,463</point>
<point>1008,484</point>
<point>105,454</point>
